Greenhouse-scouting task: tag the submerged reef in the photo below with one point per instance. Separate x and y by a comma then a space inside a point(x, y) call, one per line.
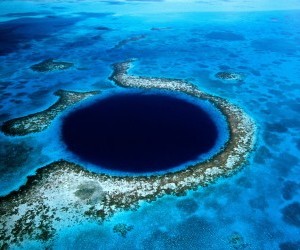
point(38, 122)
point(122, 229)
point(291, 214)
point(230, 76)
point(128, 40)
point(63, 194)
point(237, 241)
point(50, 65)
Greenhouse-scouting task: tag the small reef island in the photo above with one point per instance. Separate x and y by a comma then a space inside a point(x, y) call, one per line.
point(50, 65)
point(63, 193)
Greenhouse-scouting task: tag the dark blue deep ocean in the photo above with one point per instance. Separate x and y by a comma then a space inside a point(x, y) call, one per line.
point(258, 207)
point(138, 133)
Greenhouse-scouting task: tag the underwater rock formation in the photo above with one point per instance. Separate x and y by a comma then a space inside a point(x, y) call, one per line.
point(61, 194)
point(38, 122)
point(50, 65)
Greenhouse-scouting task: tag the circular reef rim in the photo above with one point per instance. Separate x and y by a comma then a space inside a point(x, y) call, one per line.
point(67, 193)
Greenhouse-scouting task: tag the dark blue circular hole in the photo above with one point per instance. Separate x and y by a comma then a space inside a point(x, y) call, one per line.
point(139, 133)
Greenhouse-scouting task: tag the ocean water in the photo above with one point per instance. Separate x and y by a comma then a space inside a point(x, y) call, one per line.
point(258, 207)
point(141, 132)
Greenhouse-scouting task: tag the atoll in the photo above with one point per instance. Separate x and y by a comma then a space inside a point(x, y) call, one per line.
point(50, 65)
point(39, 121)
point(64, 193)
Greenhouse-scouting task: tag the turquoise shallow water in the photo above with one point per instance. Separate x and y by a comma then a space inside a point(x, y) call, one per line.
point(193, 42)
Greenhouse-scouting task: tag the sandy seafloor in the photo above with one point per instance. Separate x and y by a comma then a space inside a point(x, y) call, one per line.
point(190, 41)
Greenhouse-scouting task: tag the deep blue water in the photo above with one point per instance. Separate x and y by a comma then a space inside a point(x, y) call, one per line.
point(139, 133)
point(195, 41)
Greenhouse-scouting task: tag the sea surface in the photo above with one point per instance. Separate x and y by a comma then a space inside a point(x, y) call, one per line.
point(258, 207)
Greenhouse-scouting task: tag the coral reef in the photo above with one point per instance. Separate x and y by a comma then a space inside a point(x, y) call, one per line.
point(128, 40)
point(291, 214)
point(64, 194)
point(122, 229)
point(90, 191)
point(230, 76)
point(236, 241)
point(39, 121)
point(50, 65)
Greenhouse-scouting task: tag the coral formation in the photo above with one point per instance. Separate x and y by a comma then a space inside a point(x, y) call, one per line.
point(39, 121)
point(63, 193)
point(122, 229)
point(128, 40)
point(51, 65)
point(230, 76)
point(291, 214)
point(236, 241)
